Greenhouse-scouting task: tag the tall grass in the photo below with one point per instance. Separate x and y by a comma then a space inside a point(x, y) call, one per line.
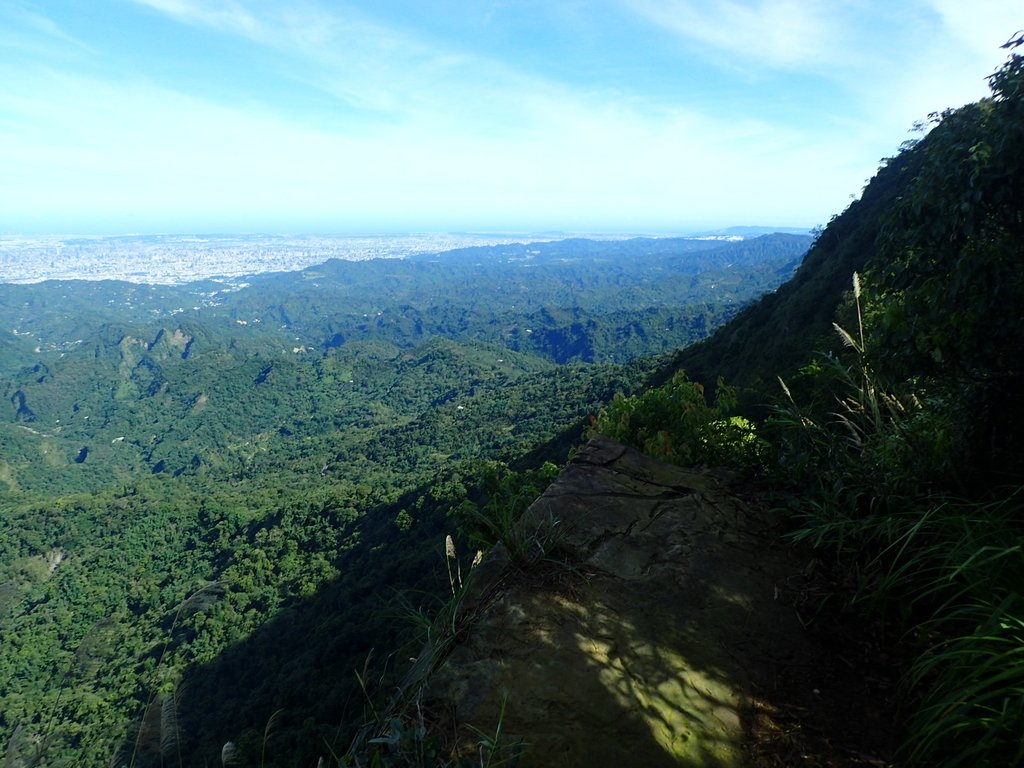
point(158, 733)
point(400, 732)
point(961, 566)
point(873, 479)
point(499, 519)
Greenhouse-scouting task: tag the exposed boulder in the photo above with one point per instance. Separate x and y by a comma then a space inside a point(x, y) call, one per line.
point(646, 637)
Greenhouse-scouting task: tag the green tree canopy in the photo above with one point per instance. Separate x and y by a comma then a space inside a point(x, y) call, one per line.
point(949, 279)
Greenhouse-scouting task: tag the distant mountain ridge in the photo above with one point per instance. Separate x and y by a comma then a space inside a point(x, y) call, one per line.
point(754, 231)
point(783, 328)
point(681, 287)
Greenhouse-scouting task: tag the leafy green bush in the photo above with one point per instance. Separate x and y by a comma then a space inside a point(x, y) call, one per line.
point(675, 423)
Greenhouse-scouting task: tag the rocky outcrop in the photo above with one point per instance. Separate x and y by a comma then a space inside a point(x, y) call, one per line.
point(641, 638)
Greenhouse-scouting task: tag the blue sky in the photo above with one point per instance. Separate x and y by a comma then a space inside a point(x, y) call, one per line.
point(121, 116)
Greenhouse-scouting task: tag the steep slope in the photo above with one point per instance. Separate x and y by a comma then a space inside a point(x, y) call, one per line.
point(899, 454)
point(780, 331)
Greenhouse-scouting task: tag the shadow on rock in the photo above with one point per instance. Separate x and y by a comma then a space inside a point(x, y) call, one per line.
point(643, 638)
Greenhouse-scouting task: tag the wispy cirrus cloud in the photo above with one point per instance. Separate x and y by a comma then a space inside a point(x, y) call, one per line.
point(393, 76)
point(25, 30)
point(226, 15)
point(882, 65)
point(366, 64)
point(945, 53)
point(866, 45)
point(785, 34)
point(979, 26)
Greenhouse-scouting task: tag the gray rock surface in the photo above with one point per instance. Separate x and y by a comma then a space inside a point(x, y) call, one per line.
point(639, 639)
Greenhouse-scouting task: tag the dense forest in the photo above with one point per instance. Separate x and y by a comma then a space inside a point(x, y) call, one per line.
point(222, 499)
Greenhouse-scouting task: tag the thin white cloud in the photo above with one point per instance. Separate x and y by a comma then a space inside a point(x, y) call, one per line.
point(980, 26)
point(783, 34)
point(28, 31)
point(226, 15)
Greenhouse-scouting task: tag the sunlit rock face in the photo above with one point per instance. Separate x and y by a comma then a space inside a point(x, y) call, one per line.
point(640, 638)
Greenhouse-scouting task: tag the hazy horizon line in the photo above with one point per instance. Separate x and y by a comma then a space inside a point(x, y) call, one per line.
point(340, 234)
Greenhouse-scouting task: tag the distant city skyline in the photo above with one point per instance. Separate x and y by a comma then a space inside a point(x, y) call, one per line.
point(174, 259)
point(646, 116)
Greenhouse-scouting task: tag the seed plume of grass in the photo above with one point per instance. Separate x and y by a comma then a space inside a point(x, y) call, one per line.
point(268, 730)
point(450, 554)
point(14, 752)
point(170, 745)
point(229, 754)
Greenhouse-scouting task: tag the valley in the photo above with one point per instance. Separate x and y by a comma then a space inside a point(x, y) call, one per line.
point(206, 457)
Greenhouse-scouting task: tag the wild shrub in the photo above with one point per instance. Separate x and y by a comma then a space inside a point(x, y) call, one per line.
point(863, 447)
point(675, 423)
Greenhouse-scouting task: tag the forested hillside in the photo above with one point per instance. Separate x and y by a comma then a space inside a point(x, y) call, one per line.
point(214, 494)
point(775, 335)
point(887, 382)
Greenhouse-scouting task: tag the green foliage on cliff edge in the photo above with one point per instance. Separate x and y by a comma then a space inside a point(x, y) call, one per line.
point(895, 437)
point(903, 451)
point(880, 486)
point(675, 423)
